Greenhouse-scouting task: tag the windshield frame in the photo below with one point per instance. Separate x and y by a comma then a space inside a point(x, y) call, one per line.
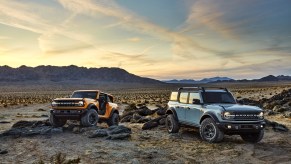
point(83, 93)
point(231, 98)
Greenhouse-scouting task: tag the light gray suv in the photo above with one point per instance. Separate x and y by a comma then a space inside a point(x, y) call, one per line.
point(215, 112)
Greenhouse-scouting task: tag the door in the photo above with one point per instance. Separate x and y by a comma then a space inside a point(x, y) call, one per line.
point(180, 108)
point(193, 111)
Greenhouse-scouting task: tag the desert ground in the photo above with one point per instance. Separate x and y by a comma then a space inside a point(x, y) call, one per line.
point(73, 144)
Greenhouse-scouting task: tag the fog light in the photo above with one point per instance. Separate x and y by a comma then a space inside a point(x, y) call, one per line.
point(262, 126)
point(229, 126)
point(236, 127)
point(257, 127)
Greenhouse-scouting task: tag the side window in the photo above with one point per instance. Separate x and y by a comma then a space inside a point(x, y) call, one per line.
point(193, 96)
point(174, 96)
point(184, 97)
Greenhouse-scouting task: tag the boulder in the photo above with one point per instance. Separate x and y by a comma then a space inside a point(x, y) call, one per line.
point(279, 108)
point(276, 126)
point(119, 136)
point(150, 125)
point(126, 118)
point(99, 133)
point(118, 129)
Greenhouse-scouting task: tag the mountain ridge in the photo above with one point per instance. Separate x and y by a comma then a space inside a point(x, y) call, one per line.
point(70, 73)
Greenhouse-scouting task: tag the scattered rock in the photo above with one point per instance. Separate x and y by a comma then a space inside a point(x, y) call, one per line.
point(3, 151)
point(41, 110)
point(150, 125)
point(145, 111)
point(118, 129)
point(269, 113)
point(99, 133)
point(126, 118)
point(279, 108)
point(112, 133)
point(4, 122)
point(161, 111)
point(276, 126)
point(119, 136)
point(287, 114)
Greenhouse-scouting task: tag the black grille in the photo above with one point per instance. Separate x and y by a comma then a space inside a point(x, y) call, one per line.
point(246, 116)
point(67, 103)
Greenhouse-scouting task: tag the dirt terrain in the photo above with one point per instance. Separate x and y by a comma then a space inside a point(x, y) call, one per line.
point(143, 146)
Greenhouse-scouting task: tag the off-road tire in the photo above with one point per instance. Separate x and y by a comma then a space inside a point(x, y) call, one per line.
point(113, 120)
point(172, 124)
point(253, 137)
point(57, 122)
point(210, 132)
point(90, 118)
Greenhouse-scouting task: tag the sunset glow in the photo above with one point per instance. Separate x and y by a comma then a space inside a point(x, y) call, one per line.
point(163, 39)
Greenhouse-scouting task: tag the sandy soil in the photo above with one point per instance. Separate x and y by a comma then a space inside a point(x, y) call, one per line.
point(149, 146)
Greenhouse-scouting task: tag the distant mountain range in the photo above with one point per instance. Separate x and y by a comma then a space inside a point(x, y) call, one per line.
point(205, 80)
point(70, 73)
point(227, 79)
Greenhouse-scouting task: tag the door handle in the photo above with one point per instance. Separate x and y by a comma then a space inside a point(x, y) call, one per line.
point(177, 106)
point(188, 108)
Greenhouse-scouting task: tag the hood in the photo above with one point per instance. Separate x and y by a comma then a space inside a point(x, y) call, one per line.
point(235, 107)
point(68, 99)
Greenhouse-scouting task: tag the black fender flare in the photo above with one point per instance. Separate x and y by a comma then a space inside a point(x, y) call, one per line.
point(92, 106)
point(172, 111)
point(114, 111)
point(209, 114)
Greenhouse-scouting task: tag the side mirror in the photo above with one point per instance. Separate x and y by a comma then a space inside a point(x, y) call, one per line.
point(240, 101)
point(196, 101)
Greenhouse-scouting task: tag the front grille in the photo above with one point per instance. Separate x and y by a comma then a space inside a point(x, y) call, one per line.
point(246, 116)
point(67, 103)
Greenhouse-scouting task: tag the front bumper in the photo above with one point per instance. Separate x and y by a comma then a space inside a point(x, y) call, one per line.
point(69, 114)
point(236, 128)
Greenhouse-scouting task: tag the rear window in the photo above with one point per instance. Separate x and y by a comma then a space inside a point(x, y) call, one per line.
point(174, 96)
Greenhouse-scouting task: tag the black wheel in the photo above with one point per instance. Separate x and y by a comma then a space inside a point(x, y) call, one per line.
point(90, 118)
point(113, 120)
point(210, 132)
point(57, 122)
point(253, 137)
point(172, 124)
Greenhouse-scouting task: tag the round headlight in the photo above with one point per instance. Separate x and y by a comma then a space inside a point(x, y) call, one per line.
point(228, 115)
point(261, 115)
point(54, 103)
point(80, 103)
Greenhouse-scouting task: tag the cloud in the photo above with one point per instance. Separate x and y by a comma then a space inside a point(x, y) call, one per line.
point(135, 39)
point(132, 21)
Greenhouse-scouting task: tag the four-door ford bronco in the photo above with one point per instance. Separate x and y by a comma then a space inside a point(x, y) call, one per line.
point(215, 112)
point(88, 106)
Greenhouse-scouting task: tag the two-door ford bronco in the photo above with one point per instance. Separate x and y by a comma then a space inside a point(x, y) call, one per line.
point(215, 112)
point(88, 106)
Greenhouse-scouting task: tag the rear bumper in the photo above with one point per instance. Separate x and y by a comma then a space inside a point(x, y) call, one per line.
point(238, 128)
point(69, 114)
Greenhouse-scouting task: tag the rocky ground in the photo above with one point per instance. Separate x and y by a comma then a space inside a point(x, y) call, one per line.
point(27, 137)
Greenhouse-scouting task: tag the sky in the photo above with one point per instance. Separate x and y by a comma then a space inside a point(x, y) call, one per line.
point(161, 39)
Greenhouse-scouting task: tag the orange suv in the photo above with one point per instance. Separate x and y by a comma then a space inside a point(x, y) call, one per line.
point(87, 106)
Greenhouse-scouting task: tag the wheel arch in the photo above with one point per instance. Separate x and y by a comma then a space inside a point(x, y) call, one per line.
point(208, 115)
point(92, 106)
point(173, 112)
point(113, 111)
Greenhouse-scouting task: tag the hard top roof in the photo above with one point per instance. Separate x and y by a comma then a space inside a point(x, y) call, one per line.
point(92, 91)
point(204, 89)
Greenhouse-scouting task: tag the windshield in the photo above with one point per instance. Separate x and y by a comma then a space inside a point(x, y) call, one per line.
point(218, 97)
point(91, 95)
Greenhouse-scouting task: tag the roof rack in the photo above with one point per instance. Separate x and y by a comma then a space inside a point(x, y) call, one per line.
point(202, 88)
